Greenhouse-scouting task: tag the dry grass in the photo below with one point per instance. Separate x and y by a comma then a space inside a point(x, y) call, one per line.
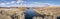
point(10, 11)
point(6, 13)
point(48, 10)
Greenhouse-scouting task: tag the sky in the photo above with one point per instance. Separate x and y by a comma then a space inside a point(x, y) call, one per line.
point(29, 3)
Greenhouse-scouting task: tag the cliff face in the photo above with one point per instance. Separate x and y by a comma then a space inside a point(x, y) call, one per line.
point(10, 13)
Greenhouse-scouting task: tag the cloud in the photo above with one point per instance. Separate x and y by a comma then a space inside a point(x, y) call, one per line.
point(7, 3)
point(20, 0)
point(21, 3)
point(37, 4)
point(40, 4)
point(2, 4)
point(12, 3)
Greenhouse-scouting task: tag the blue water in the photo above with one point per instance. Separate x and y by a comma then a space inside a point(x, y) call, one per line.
point(58, 17)
point(29, 14)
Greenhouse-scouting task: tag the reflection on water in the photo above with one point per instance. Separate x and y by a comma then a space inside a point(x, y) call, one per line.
point(29, 14)
point(58, 17)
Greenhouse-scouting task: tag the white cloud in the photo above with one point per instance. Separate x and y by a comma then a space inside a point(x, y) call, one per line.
point(8, 3)
point(33, 4)
point(40, 4)
point(3, 4)
point(19, 1)
point(37, 4)
point(13, 1)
